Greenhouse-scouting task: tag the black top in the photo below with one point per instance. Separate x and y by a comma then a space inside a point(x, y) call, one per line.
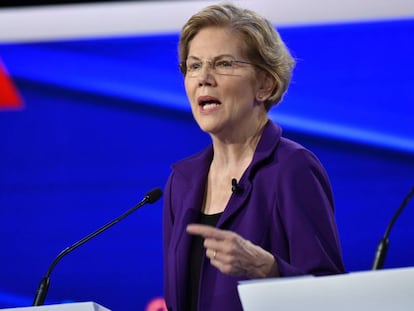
point(197, 252)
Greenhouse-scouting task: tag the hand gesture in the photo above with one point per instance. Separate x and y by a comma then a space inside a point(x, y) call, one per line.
point(233, 255)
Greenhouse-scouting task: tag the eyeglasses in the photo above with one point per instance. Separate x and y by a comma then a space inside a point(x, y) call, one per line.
point(221, 66)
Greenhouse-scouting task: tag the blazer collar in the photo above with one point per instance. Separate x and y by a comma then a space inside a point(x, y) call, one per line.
point(194, 171)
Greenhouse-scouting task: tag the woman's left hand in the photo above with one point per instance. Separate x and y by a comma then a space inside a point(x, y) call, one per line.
point(233, 255)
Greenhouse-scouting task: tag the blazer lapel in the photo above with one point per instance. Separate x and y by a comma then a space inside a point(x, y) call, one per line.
point(268, 143)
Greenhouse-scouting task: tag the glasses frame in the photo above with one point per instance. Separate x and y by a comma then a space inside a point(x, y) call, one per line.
point(211, 64)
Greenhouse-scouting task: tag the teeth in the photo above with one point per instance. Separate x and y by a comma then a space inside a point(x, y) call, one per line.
point(210, 106)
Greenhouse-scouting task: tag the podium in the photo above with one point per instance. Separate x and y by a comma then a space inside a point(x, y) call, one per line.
point(78, 306)
point(379, 290)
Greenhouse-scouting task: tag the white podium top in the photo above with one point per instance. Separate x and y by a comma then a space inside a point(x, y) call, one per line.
point(79, 306)
point(382, 290)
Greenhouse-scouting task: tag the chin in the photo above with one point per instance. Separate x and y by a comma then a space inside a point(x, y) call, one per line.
point(208, 128)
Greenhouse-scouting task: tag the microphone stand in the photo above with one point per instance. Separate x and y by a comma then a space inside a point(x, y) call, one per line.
point(383, 245)
point(43, 287)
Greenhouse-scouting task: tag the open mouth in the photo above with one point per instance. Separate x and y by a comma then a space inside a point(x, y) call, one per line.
point(208, 103)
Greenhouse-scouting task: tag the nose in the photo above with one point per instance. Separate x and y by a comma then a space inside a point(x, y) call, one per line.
point(206, 76)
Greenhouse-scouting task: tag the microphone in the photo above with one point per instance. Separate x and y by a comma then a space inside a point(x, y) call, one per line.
point(235, 188)
point(151, 197)
point(383, 245)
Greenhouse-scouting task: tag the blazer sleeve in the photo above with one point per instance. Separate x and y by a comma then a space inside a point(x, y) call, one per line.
point(305, 207)
point(168, 221)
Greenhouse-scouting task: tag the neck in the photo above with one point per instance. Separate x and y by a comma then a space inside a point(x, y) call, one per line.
point(233, 155)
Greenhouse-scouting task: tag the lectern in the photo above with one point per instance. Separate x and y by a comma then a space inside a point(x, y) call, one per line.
point(380, 290)
point(79, 306)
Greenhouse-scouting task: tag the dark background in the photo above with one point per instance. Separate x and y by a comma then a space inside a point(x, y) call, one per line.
point(23, 3)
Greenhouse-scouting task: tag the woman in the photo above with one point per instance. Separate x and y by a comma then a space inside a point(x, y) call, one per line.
point(253, 204)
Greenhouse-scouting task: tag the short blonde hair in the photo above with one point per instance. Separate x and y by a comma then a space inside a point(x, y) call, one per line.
point(264, 46)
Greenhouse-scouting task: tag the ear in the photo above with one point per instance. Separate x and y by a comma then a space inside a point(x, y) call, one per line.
point(266, 85)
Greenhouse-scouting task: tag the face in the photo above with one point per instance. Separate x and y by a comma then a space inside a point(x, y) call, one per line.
point(223, 105)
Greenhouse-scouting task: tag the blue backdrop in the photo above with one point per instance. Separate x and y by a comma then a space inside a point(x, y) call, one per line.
point(103, 120)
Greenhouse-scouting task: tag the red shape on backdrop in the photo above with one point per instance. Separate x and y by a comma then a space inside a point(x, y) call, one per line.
point(9, 96)
point(156, 304)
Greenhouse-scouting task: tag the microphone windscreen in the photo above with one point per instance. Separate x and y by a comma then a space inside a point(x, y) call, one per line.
point(153, 195)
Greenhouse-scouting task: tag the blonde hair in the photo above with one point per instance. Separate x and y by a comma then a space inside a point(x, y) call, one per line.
point(264, 46)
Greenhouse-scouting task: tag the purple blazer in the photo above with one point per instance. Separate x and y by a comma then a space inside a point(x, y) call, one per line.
point(285, 206)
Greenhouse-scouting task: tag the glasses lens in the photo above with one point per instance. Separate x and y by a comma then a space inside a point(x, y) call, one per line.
point(194, 67)
point(224, 66)
point(221, 66)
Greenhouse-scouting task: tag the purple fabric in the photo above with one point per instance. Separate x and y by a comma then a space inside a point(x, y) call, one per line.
point(286, 207)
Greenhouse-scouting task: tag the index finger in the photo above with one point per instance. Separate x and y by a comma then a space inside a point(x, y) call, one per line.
point(205, 231)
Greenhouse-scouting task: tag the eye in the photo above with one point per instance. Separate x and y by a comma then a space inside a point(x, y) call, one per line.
point(193, 66)
point(223, 64)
